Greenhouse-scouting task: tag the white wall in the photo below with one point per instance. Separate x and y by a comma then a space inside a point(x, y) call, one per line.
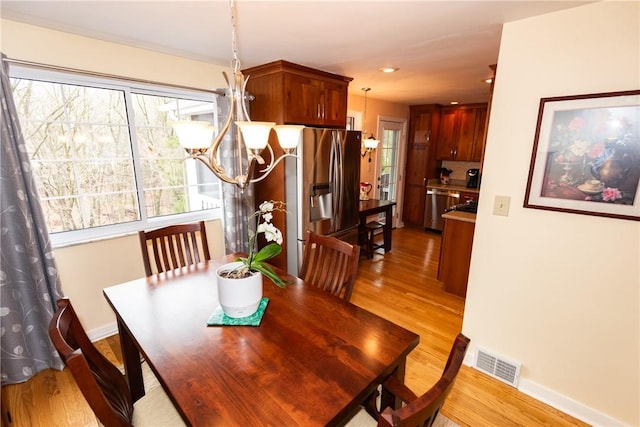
point(376, 109)
point(88, 268)
point(558, 291)
point(37, 44)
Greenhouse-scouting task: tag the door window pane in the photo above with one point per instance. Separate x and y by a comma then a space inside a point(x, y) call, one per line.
point(389, 164)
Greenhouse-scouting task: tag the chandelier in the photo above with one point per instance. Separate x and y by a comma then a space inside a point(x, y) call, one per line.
point(197, 137)
point(371, 143)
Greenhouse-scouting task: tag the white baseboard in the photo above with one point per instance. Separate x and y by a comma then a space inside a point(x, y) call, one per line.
point(103, 332)
point(567, 405)
point(559, 401)
point(468, 359)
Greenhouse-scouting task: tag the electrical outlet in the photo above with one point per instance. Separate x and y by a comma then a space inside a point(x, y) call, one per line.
point(501, 205)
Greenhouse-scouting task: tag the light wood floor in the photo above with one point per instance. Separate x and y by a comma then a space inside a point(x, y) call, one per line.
point(400, 286)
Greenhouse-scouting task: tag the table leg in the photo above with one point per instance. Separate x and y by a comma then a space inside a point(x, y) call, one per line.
point(132, 366)
point(388, 227)
point(387, 399)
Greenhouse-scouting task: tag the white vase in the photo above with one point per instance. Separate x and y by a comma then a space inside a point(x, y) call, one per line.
point(239, 297)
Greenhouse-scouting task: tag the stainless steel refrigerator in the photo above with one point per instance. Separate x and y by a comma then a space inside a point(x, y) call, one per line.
point(321, 189)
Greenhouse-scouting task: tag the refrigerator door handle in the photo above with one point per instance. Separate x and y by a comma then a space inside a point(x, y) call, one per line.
point(332, 179)
point(339, 179)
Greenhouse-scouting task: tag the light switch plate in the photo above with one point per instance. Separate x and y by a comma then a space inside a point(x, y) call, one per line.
point(501, 205)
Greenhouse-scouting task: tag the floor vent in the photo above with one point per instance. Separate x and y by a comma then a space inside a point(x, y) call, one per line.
point(498, 367)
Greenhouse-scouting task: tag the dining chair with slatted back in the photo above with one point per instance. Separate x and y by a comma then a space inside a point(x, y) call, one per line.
point(173, 247)
point(417, 411)
point(101, 382)
point(330, 264)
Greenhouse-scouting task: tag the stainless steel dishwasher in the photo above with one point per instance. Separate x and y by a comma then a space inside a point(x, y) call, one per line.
point(438, 200)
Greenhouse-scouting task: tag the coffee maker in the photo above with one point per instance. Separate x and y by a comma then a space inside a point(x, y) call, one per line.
point(473, 178)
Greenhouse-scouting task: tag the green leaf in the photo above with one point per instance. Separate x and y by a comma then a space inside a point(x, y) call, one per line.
point(267, 271)
point(245, 261)
point(267, 252)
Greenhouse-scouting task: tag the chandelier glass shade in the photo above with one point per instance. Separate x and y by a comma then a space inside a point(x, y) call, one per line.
point(371, 143)
point(200, 141)
point(193, 134)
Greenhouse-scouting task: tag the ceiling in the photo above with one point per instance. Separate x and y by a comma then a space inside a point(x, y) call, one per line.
point(443, 49)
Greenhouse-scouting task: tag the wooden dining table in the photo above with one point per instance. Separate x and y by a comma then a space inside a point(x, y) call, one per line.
point(312, 360)
point(373, 207)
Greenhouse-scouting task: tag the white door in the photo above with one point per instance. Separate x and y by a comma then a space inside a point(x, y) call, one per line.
point(389, 153)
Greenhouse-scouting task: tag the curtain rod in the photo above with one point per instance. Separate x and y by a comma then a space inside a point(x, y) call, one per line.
point(221, 92)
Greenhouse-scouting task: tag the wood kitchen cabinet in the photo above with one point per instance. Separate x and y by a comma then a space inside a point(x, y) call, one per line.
point(461, 135)
point(288, 93)
point(480, 135)
point(455, 252)
point(312, 101)
point(421, 160)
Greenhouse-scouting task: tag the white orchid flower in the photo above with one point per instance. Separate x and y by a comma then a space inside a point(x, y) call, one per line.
point(278, 238)
point(256, 261)
point(266, 207)
point(271, 233)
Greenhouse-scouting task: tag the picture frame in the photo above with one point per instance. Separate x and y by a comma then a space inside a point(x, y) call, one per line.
point(586, 155)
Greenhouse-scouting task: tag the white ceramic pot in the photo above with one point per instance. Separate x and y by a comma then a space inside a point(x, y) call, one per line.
point(239, 297)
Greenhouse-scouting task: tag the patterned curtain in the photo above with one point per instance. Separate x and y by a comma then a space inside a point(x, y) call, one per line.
point(236, 208)
point(29, 281)
point(236, 205)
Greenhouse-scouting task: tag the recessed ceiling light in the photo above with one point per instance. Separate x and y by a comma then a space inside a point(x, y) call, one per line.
point(389, 69)
point(454, 102)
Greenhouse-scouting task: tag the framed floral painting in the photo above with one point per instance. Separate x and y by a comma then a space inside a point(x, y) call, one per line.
point(586, 155)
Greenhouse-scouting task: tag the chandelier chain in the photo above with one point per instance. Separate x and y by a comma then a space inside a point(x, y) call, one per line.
point(369, 144)
point(235, 62)
point(251, 138)
point(364, 122)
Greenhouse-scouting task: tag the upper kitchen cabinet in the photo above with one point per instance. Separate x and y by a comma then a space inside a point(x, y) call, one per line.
point(315, 102)
point(461, 135)
point(289, 93)
point(421, 160)
point(479, 135)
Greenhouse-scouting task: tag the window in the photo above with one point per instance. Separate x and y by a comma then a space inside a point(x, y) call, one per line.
point(389, 149)
point(105, 157)
point(351, 123)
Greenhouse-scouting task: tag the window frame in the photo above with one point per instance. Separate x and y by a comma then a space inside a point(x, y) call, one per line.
point(85, 235)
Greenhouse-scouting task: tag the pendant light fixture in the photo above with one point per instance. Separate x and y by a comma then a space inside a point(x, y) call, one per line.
point(197, 137)
point(371, 143)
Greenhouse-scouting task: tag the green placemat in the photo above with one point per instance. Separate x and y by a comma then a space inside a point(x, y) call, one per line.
point(218, 318)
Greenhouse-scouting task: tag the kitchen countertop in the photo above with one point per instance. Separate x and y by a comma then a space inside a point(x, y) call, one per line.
point(454, 185)
point(460, 216)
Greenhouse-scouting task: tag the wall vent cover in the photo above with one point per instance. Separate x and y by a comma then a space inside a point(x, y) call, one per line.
point(498, 367)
